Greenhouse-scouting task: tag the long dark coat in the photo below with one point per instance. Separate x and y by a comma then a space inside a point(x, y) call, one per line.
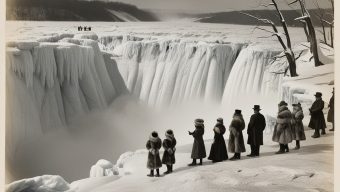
point(283, 127)
point(153, 145)
point(236, 141)
point(218, 151)
point(256, 126)
point(298, 129)
point(198, 148)
point(317, 120)
point(330, 115)
point(169, 151)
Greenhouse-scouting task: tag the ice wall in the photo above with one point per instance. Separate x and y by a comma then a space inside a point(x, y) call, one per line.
point(51, 83)
point(167, 72)
point(252, 74)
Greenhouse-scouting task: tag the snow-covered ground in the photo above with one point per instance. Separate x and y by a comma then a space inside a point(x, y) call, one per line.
point(181, 64)
point(309, 169)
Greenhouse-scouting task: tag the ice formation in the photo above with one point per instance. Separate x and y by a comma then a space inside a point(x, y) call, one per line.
point(45, 183)
point(51, 83)
point(103, 168)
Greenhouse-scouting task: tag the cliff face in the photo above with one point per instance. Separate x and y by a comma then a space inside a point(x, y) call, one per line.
point(74, 10)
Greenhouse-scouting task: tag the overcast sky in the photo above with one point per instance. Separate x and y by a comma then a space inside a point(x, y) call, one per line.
point(212, 5)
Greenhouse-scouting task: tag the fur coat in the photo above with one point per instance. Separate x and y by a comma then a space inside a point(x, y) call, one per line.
point(236, 141)
point(283, 128)
point(169, 144)
point(218, 151)
point(153, 145)
point(298, 129)
point(198, 148)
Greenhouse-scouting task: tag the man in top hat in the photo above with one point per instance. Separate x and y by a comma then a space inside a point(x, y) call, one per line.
point(256, 126)
point(317, 120)
point(330, 115)
point(236, 142)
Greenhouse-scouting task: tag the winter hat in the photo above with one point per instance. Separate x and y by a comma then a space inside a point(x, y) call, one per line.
point(238, 112)
point(318, 94)
point(154, 134)
point(283, 103)
point(199, 121)
point(220, 120)
point(257, 107)
point(169, 132)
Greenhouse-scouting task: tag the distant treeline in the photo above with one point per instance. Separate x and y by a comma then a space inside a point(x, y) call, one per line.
point(71, 10)
point(235, 17)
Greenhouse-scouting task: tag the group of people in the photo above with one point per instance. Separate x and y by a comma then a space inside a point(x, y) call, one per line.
point(288, 127)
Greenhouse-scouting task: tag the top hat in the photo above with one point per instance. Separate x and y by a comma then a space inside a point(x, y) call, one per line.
point(283, 103)
point(238, 112)
point(257, 107)
point(318, 94)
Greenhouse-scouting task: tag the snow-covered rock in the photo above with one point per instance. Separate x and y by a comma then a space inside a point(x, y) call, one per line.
point(103, 168)
point(45, 183)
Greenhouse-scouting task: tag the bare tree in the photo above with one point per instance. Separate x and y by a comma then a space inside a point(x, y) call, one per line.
point(287, 46)
point(322, 16)
point(311, 35)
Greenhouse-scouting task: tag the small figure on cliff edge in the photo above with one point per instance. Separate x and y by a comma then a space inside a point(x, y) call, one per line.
point(198, 148)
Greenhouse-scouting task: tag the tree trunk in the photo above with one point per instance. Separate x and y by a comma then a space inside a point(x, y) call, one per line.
point(292, 63)
point(313, 42)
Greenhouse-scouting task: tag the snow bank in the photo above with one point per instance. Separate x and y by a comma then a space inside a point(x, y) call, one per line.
point(45, 183)
point(103, 168)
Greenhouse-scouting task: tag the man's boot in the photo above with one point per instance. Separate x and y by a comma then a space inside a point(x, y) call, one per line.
point(151, 173)
point(157, 175)
point(168, 169)
point(297, 145)
point(286, 148)
point(257, 151)
point(316, 133)
point(201, 161)
point(281, 150)
point(171, 168)
point(193, 163)
point(253, 151)
point(323, 131)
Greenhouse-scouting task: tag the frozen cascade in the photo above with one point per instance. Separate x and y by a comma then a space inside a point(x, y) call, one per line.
point(51, 83)
point(252, 75)
point(163, 72)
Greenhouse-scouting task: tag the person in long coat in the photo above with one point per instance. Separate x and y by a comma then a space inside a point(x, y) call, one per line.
point(256, 126)
point(297, 125)
point(218, 151)
point(330, 115)
point(154, 161)
point(198, 148)
point(283, 129)
point(169, 145)
point(317, 120)
point(236, 141)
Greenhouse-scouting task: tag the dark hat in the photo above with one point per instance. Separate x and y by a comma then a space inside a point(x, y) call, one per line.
point(199, 120)
point(238, 112)
point(283, 103)
point(295, 105)
point(318, 94)
point(257, 107)
point(219, 119)
point(170, 132)
point(154, 134)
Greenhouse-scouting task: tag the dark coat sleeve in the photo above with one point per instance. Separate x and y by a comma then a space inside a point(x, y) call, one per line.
point(317, 106)
point(148, 145)
point(251, 124)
